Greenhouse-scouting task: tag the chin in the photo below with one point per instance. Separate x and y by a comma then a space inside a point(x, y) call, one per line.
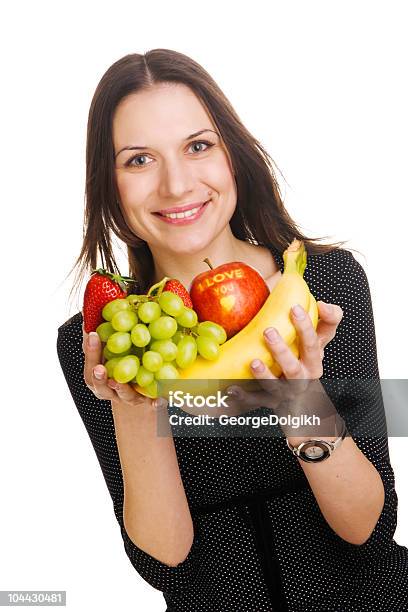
point(189, 245)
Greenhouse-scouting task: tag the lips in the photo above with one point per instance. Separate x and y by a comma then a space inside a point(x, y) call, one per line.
point(184, 220)
point(180, 209)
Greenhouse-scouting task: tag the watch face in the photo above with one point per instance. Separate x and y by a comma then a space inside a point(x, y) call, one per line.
point(314, 451)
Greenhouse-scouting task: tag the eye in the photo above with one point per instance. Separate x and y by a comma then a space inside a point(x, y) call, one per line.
point(130, 161)
point(202, 142)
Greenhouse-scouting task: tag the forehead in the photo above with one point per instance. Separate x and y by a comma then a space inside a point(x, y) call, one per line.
point(165, 111)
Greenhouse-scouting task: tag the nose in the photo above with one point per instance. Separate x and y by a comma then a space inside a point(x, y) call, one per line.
point(176, 179)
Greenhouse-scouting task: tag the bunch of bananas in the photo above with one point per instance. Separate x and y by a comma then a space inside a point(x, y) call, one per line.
point(236, 354)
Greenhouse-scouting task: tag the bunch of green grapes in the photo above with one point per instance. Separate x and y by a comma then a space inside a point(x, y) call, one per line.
point(148, 341)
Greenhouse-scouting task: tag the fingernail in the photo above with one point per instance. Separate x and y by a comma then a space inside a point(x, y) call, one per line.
point(257, 365)
point(160, 403)
point(271, 334)
point(93, 340)
point(298, 312)
point(98, 372)
point(327, 307)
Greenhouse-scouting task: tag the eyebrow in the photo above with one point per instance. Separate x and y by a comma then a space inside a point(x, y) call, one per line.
point(135, 148)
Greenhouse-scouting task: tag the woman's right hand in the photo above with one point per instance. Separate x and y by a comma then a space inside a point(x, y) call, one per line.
point(96, 379)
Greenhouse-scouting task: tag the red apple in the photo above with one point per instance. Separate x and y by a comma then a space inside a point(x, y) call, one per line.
point(229, 295)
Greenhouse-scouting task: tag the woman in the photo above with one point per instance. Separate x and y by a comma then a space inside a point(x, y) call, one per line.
point(228, 523)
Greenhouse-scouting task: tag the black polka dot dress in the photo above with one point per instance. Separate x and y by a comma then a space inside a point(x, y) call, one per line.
point(261, 543)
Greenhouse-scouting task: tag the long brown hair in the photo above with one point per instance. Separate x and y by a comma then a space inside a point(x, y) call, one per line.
point(260, 216)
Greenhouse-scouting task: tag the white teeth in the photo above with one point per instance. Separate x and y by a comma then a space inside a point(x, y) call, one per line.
point(187, 213)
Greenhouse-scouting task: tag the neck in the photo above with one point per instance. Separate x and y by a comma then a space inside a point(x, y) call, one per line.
point(185, 265)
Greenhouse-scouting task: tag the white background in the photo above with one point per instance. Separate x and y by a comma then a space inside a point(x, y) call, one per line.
point(321, 84)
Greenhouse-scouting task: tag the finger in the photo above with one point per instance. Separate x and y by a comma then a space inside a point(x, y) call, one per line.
point(92, 348)
point(330, 316)
point(290, 365)
point(267, 380)
point(95, 374)
point(309, 345)
point(126, 393)
point(279, 389)
point(99, 385)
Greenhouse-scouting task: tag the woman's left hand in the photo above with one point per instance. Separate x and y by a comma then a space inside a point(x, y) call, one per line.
point(307, 368)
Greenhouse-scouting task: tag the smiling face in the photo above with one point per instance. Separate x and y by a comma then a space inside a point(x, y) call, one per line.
point(173, 167)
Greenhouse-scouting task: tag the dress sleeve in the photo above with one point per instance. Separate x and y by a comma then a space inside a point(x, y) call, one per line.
point(97, 418)
point(352, 361)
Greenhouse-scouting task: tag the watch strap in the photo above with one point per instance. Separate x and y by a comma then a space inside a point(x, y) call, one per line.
point(331, 446)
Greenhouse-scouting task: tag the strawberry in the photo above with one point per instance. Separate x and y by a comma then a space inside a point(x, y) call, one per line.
point(102, 287)
point(178, 288)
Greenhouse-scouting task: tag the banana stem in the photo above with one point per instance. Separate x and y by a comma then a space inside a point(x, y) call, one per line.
point(295, 257)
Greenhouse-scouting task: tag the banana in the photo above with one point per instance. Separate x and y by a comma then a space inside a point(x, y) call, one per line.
point(236, 354)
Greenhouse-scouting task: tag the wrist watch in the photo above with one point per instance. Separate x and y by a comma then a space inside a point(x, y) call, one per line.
point(315, 450)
